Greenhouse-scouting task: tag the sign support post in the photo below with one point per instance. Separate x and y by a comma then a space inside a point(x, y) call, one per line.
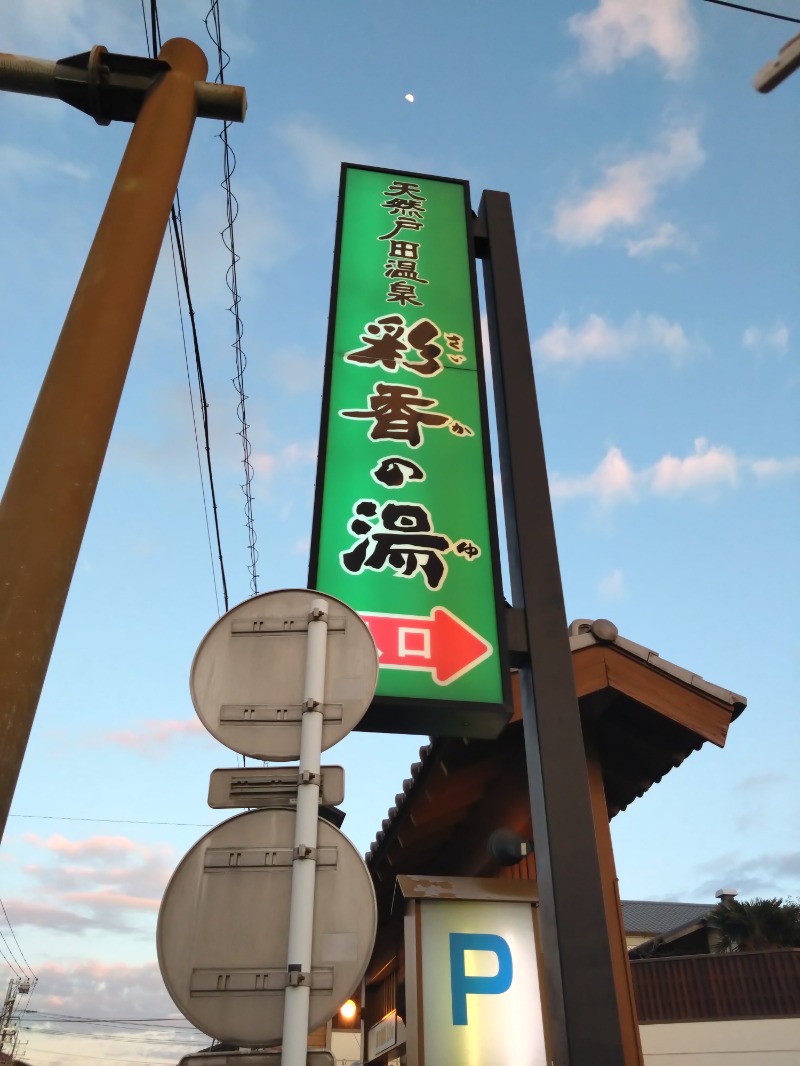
point(304, 861)
point(584, 1019)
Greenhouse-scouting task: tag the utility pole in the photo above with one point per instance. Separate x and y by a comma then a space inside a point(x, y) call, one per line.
point(49, 495)
point(9, 1033)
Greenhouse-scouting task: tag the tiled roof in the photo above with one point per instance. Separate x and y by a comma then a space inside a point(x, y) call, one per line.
point(649, 918)
point(583, 633)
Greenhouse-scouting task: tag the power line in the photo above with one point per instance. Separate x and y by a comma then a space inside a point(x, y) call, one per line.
point(177, 227)
point(77, 1055)
point(754, 10)
point(11, 930)
point(13, 966)
point(121, 1038)
point(176, 238)
point(194, 417)
point(115, 821)
point(47, 1015)
point(227, 234)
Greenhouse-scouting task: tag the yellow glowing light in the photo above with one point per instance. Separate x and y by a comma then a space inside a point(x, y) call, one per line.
point(347, 1011)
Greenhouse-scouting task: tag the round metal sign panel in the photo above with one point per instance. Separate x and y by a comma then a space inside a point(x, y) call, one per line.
point(248, 675)
point(223, 927)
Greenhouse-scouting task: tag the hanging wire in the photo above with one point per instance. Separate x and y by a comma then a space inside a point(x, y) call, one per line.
point(177, 242)
point(177, 229)
point(228, 239)
point(19, 946)
point(194, 416)
point(754, 10)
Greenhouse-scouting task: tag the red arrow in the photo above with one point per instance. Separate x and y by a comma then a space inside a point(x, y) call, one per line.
point(441, 643)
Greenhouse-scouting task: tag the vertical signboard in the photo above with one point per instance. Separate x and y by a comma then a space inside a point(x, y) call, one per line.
point(404, 522)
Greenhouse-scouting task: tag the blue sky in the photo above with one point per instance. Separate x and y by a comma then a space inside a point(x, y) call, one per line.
point(654, 193)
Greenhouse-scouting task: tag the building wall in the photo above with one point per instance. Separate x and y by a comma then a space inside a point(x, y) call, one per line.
point(759, 1042)
point(633, 940)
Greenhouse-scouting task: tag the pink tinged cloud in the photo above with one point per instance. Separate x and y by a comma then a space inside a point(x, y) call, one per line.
point(705, 468)
point(619, 30)
point(628, 189)
point(101, 989)
point(613, 480)
point(155, 736)
point(94, 847)
point(107, 898)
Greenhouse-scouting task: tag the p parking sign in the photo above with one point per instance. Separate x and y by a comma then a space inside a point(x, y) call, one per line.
point(404, 522)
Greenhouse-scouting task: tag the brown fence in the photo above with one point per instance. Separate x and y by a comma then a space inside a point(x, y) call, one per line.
point(757, 984)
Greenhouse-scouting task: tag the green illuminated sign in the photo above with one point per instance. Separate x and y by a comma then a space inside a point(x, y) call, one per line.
point(404, 526)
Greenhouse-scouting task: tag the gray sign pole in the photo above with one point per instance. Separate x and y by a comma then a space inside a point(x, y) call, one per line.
point(584, 1019)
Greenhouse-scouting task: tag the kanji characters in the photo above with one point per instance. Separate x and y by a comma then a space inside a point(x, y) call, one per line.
point(388, 342)
point(399, 412)
point(384, 343)
point(398, 535)
point(420, 336)
point(406, 206)
point(403, 292)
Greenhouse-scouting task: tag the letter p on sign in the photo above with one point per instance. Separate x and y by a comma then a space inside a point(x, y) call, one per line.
point(463, 984)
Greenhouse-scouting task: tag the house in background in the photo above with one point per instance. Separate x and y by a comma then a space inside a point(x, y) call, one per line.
point(650, 925)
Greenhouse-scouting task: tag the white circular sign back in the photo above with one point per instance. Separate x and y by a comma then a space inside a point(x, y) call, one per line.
point(248, 674)
point(223, 922)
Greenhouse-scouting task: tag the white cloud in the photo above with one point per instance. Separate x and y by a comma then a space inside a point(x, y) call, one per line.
point(16, 162)
point(665, 237)
point(295, 371)
point(598, 339)
point(613, 480)
point(766, 469)
point(295, 453)
point(109, 883)
point(774, 338)
point(612, 586)
point(264, 238)
point(155, 737)
point(320, 152)
point(628, 189)
point(705, 470)
point(619, 30)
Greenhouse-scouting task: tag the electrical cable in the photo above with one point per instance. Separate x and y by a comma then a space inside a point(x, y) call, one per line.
point(146, 1024)
point(754, 10)
point(177, 227)
point(194, 417)
point(122, 1038)
point(176, 238)
point(11, 930)
point(115, 821)
point(227, 235)
point(11, 965)
point(77, 1055)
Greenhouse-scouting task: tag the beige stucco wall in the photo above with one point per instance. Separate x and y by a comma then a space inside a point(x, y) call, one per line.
point(774, 1042)
point(633, 940)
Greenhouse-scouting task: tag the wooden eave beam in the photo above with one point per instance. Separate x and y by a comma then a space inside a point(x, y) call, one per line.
point(604, 666)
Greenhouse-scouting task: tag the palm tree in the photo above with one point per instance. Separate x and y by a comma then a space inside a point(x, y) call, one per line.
point(756, 925)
